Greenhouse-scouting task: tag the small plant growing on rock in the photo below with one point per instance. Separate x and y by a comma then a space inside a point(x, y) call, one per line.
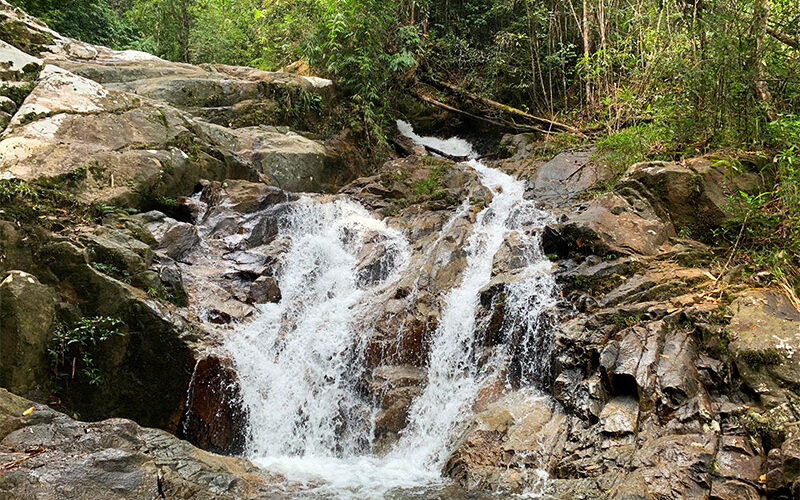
point(72, 350)
point(77, 174)
point(168, 294)
point(112, 270)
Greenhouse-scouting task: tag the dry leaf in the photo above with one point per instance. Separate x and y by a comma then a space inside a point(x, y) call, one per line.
point(28, 411)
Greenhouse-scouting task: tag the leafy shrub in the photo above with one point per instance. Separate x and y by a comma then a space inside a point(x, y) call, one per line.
point(634, 144)
point(72, 350)
point(93, 21)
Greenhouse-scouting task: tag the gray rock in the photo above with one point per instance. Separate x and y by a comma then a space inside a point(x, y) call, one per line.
point(113, 459)
point(7, 105)
point(567, 175)
point(16, 64)
point(27, 320)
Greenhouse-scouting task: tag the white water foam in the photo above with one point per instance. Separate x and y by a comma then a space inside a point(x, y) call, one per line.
point(301, 361)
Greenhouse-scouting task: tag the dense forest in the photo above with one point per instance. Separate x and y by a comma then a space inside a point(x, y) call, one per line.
point(645, 79)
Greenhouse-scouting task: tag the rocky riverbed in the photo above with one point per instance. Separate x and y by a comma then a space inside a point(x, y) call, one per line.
point(157, 193)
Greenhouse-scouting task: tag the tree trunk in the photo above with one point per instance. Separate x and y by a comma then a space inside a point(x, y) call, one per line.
point(587, 48)
point(758, 30)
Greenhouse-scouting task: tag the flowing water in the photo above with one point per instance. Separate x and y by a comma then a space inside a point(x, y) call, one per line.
point(301, 362)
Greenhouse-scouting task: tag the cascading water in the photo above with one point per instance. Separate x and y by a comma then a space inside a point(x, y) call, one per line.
point(301, 362)
point(454, 376)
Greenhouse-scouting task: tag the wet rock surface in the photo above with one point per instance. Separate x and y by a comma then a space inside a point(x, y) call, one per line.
point(46, 454)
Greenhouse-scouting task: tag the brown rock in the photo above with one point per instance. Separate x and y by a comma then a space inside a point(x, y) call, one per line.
point(214, 418)
point(263, 290)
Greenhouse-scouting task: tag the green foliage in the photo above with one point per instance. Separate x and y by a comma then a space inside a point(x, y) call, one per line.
point(168, 294)
point(45, 203)
point(362, 44)
point(72, 350)
point(77, 174)
point(430, 186)
point(93, 21)
point(634, 144)
point(764, 228)
point(112, 271)
point(755, 359)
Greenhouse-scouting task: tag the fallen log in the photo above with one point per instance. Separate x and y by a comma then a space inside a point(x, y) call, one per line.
point(510, 126)
point(506, 109)
point(405, 147)
point(454, 158)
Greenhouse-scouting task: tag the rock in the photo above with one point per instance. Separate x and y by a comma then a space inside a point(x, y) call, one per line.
point(503, 446)
point(790, 453)
point(176, 239)
point(737, 458)
point(109, 146)
point(16, 64)
point(693, 195)
point(117, 251)
point(774, 478)
point(396, 387)
point(622, 226)
point(676, 466)
point(286, 159)
point(80, 50)
point(567, 175)
point(727, 489)
point(27, 321)
point(63, 459)
point(244, 197)
point(152, 357)
point(7, 105)
point(765, 346)
point(620, 416)
point(214, 418)
point(265, 289)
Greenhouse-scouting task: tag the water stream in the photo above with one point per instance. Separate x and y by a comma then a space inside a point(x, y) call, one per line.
point(301, 362)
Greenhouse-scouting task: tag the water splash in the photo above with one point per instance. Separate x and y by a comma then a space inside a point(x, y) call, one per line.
point(301, 362)
point(454, 376)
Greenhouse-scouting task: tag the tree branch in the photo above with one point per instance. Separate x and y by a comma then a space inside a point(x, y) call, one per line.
point(784, 37)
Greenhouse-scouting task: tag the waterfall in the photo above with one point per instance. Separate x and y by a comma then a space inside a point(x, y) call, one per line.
point(454, 377)
point(301, 362)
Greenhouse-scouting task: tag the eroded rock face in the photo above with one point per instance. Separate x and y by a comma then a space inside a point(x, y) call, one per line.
point(644, 379)
point(60, 458)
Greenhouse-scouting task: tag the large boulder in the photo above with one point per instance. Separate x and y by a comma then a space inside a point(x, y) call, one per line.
point(610, 223)
point(285, 159)
point(765, 345)
point(214, 418)
point(693, 195)
point(27, 321)
point(16, 64)
point(56, 457)
point(104, 145)
point(567, 175)
point(153, 356)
